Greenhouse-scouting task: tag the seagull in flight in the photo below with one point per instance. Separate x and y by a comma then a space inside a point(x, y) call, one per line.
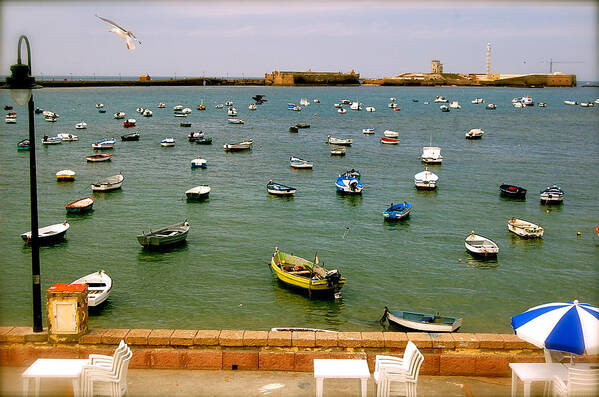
point(122, 33)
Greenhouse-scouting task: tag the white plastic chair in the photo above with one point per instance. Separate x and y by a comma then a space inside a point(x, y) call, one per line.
point(391, 374)
point(101, 380)
point(394, 364)
point(581, 382)
point(108, 361)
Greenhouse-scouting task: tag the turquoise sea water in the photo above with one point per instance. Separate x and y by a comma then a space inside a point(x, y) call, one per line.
point(220, 278)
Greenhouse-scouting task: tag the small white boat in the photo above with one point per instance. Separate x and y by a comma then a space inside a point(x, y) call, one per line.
point(299, 163)
point(477, 101)
point(316, 100)
point(338, 141)
point(119, 115)
point(393, 99)
point(552, 195)
point(236, 121)
point(455, 105)
point(48, 234)
point(186, 111)
point(346, 102)
point(104, 144)
point(570, 102)
point(107, 184)
point(65, 175)
point(50, 119)
point(431, 155)
point(391, 134)
point(342, 110)
point(421, 321)
point(481, 246)
point(81, 126)
point(491, 106)
point(99, 105)
point(338, 105)
point(161, 105)
point(252, 106)
point(198, 193)
point(542, 104)
point(524, 228)
point(475, 133)
point(355, 106)
point(48, 113)
point(219, 106)
point(392, 105)
point(370, 109)
point(129, 123)
point(444, 108)
point(10, 120)
point(235, 147)
point(140, 110)
point(99, 285)
point(229, 103)
point(198, 163)
point(167, 142)
point(180, 115)
point(367, 131)
point(232, 111)
point(527, 101)
point(147, 113)
point(178, 107)
point(51, 140)
point(441, 99)
point(518, 104)
point(304, 102)
point(338, 151)
point(278, 189)
point(425, 180)
point(587, 104)
point(68, 137)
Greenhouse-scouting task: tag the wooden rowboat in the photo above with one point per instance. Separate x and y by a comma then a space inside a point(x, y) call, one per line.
point(99, 285)
point(48, 234)
point(481, 246)
point(92, 158)
point(108, 184)
point(389, 141)
point(422, 322)
point(306, 276)
point(524, 228)
point(80, 206)
point(165, 237)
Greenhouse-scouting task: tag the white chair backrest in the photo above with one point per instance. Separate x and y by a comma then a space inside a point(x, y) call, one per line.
point(583, 382)
point(416, 363)
point(408, 355)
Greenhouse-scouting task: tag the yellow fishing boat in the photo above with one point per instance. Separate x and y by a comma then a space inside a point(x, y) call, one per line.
point(305, 275)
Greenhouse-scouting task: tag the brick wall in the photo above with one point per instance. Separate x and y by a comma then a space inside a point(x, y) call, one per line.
point(444, 354)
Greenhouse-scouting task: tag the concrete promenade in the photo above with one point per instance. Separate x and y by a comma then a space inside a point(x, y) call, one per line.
point(154, 382)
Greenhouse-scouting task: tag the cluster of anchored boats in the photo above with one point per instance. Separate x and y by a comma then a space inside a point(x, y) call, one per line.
point(309, 277)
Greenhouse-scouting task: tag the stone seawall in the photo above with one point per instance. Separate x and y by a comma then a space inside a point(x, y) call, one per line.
point(208, 81)
point(444, 354)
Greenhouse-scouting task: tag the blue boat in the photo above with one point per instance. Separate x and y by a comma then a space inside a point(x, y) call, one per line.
point(349, 184)
point(102, 110)
point(399, 211)
point(552, 195)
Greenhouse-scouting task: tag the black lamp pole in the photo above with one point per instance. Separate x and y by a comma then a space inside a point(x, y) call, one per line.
point(20, 83)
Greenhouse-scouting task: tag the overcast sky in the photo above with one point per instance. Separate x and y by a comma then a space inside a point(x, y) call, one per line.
point(250, 38)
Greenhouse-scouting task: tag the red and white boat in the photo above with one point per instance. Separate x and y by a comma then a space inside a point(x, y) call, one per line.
point(389, 141)
point(99, 157)
point(129, 123)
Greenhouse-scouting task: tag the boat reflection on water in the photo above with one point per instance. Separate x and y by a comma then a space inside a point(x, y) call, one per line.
point(157, 253)
point(350, 199)
point(531, 243)
point(490, 263)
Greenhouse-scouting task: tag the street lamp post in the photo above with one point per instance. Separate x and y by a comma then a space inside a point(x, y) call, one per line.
point(20, 83)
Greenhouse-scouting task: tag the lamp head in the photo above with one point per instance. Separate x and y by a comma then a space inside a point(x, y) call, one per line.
point(20, 83)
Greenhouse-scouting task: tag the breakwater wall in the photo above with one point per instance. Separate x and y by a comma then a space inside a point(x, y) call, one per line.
point(467, 354)
point(208, 81)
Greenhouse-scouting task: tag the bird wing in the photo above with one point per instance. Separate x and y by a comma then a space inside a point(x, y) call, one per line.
point(130, 45)
point(112, 23)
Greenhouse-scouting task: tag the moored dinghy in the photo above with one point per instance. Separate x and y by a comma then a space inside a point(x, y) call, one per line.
point(198, 163)
point(524, 228)
point(431, 155)
point(425, 180)
point(512, 191)
point(99, 285)
point(299, 163)
point(350, 184)
point(339, 141)
point(23, 145)
point(65, 175)
point(244, 145)
point(104, 144)
point(481, 246)
point(107, 184)
point(338, 151)
point(165, 237)
point(134, 136)
point(552, 195)
point(80, 206)
point(389, 141)
point(48, 234)
point(198, 193)
point(278, 189)
point(475, 133)
point(397, 212)
point(92, 158)
point(421, 321)
point(307, 276)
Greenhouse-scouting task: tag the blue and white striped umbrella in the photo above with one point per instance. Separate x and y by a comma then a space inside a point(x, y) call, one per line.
point(571, 327)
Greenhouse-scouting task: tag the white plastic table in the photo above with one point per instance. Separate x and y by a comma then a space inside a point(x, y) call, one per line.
point(535, 372)
point(53, 368)
point(354, 369)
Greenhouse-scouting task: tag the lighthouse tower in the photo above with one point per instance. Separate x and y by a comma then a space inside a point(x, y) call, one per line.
point(488, 59)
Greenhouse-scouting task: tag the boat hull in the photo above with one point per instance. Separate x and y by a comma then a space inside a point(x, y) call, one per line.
point(165, 237)
point(424, 322)
point(98, 157)
point(525, 229)
point(49, 234)
point(512, 191)
point(80, 206)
